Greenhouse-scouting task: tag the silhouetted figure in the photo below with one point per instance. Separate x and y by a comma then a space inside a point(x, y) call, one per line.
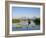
point(28, 23)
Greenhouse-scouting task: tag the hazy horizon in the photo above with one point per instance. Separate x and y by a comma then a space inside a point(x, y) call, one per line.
point(28, 12)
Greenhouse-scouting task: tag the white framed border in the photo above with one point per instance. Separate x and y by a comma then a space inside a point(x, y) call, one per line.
point(24, 32)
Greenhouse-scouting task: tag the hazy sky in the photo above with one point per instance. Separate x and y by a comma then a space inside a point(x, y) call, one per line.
point(18, 12)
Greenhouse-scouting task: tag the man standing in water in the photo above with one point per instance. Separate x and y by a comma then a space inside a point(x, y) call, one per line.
point(28, 23)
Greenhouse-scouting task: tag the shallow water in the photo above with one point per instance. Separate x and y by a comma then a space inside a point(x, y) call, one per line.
point(25, 27)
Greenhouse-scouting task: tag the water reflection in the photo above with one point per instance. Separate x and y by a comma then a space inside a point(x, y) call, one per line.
point(24, 26)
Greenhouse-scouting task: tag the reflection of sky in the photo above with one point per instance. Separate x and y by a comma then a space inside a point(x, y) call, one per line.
point(18, 12)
